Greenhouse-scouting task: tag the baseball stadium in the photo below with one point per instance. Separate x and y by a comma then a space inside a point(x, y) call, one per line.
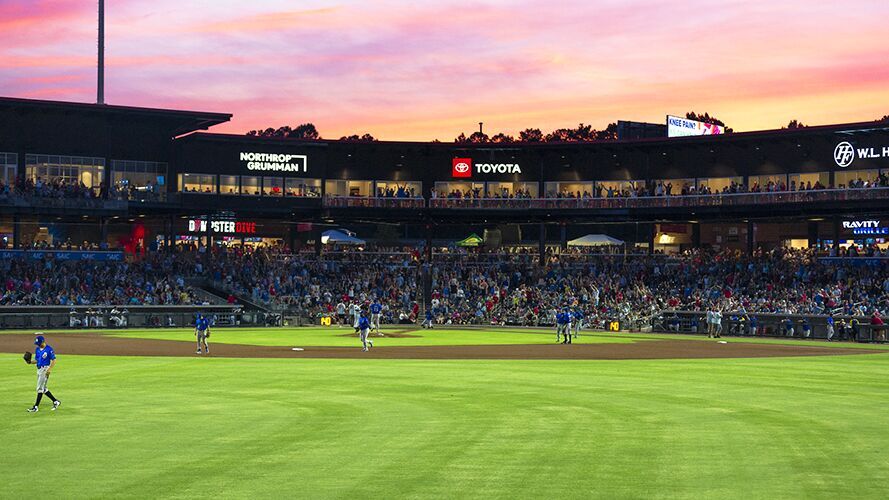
point(656, 309)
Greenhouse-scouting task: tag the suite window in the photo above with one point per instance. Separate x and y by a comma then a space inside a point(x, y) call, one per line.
point(671, 187)
point(197, 183)
point(250, 185)
point(718, 184)
point(142, 176)
point(273, 186)
point(228, 184)
point(8, 167)
point(765, 183)
point(459, 189)
point(617, 188)
point(512, 189)
point(349, 188)
point(846, 178)
point(302, 187)
point(812, 180)
point(90, 171)
point(569, 189)
point(399, 189)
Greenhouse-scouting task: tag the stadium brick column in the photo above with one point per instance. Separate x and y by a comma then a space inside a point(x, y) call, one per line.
point(563, 236)
point(103, 229)
point(695, 235)
point(651, 234)
point(427, 251)
point(318, 230)
point(541, 245)
point(751, 237)
point(168, 233)
point(836, 233)
point(813, 234)
point(16, 232)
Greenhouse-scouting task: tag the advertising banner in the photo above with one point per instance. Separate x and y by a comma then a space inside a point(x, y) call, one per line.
point(62, 255)
point(683, 127)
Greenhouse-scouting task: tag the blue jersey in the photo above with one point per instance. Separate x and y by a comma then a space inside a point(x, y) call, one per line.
point(428, 315)
point(578, 314)
point(363, 323)
point(375, 308)
point(202, 324)
point(44, 356)
point(563, 318)
point(830, 320)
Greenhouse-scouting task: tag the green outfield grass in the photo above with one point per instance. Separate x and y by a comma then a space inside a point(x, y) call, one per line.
point(345, 337)
point(198, 427)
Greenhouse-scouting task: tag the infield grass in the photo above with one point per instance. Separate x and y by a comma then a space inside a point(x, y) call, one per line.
point(198, 427)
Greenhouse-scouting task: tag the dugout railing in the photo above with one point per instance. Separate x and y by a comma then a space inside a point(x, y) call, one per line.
point(857, 328)
point(103, 317)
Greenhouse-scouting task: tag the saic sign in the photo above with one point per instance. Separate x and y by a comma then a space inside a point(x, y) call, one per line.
point(275, 162)
point(462, 168)
point(222, 226)
point(845, 153)
point(865, 227)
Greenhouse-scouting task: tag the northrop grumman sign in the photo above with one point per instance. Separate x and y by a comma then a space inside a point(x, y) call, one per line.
point(844, 154)
point(275, 162)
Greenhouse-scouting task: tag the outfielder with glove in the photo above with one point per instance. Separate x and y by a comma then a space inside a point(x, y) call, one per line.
point(45, 359)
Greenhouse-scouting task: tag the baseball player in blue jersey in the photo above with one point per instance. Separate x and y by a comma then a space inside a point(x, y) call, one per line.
point(376, 311)
point(577, 321)
point(427, 323)
point(202, 333)
point(563, 326)
point(45, 359)
point(364, 329)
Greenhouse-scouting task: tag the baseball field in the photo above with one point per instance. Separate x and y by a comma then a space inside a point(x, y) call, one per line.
point(488, 413)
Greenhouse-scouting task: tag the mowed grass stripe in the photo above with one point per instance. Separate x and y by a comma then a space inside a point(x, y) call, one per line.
point(193, 427)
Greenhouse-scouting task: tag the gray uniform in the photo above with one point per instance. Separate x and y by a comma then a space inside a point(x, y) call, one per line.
point(42, 379)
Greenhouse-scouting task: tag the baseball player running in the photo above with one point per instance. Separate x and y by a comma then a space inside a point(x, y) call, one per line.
point(364, 329)
point(45, 359)
point(375, 312)
point(202, 333)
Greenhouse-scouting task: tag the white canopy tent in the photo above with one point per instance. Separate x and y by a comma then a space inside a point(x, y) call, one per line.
point(337, 237)
point(595, 240)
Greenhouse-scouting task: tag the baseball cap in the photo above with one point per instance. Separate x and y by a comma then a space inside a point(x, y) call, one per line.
point(38, 340)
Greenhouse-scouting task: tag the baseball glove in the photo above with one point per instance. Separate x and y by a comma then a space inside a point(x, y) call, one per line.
point(27, 357)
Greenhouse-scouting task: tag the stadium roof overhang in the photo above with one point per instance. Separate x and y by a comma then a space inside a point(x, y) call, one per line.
point(175, 122)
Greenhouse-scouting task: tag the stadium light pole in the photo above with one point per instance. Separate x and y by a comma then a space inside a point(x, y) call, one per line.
point(100, 80)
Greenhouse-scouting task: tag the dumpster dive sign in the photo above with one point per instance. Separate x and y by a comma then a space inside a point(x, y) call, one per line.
point(222, 226)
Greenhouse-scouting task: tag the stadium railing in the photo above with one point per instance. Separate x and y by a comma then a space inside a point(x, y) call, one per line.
point(82, 317)
point(64, 203)
point(482, 203)
point(676, 201)
point(770, 325)
point(372, 202)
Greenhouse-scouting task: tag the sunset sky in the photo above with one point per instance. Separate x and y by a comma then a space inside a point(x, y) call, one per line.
point(420, 70)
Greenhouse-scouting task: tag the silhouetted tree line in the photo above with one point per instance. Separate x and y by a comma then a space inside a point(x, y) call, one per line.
point(583, 133)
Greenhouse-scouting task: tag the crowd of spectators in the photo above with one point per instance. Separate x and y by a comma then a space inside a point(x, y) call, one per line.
point(467, 288)
point(156, 279)
point(48, 188)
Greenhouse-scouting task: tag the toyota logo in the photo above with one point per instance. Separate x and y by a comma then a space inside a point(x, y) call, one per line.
point(462, 167)
point(844, 154)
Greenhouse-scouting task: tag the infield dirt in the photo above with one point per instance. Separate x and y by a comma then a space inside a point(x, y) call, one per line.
point(96, 344)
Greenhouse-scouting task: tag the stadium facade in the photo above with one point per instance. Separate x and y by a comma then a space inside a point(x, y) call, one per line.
point(161, 171)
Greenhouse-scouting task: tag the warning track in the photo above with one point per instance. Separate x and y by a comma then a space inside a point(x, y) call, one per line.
point(100, 345)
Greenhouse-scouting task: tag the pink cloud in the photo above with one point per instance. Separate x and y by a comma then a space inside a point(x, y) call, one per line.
point(420, 70)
